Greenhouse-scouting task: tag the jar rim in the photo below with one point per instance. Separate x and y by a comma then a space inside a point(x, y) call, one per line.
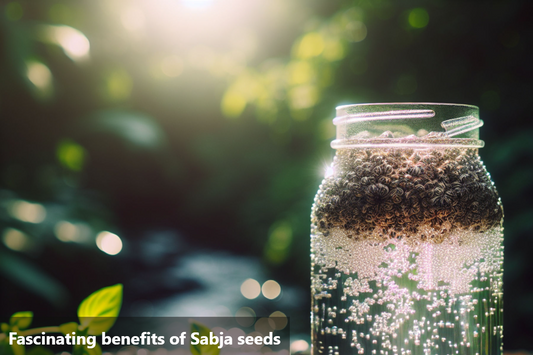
point(407, 104)
point(408, 124)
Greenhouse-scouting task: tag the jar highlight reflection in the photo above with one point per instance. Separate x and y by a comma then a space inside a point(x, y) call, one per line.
point(406, 236)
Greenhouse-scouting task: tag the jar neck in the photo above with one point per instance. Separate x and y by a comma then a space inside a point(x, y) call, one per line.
point(409, 125)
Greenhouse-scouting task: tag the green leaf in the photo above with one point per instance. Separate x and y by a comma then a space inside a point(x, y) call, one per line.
point(202, 349)
point(21, 320)
point(4, 327)
point(68, 328)
point(98, 312)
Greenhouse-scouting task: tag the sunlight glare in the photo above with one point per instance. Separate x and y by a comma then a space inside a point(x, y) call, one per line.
point(197, 4)
point(329, 171)
point(132, 19)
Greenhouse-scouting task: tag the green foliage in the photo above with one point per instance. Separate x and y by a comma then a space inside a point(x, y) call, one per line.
point(17, 322)
point(21, 320)
point(98, 312)
point(200, 349)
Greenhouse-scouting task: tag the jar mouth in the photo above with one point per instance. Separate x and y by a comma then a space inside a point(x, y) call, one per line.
point(407, 124)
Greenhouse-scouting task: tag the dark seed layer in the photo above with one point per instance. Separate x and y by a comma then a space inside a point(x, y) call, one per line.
point(397, 191)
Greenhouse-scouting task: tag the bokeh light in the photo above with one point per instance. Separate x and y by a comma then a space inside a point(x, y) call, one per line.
point(271, 289)
point(118, 85)
point(66, 231)
point(299, 346)
point(109, 243)
point(250, 289)
point(245, 316)
point(72, 232)
point(233, 104)
point(279, 242)
point(41, 77)
point(311, 45)
point(418, 18)
point(356, 31)
point(16, 240)
point(71, 155)
point(73, 42)
point(27, 211)
point(280, 320)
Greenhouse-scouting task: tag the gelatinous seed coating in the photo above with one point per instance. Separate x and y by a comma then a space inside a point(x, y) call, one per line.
point(392, 192)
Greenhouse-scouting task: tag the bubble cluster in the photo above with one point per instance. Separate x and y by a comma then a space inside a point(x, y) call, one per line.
point(394, 192)
point(398, 297)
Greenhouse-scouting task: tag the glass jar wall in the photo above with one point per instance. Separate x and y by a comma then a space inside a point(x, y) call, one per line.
point(406, 236)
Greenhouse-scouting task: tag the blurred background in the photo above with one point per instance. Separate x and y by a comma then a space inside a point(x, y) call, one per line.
point(175, 146)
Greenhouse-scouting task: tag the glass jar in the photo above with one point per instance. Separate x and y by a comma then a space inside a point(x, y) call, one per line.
point(406, 236)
